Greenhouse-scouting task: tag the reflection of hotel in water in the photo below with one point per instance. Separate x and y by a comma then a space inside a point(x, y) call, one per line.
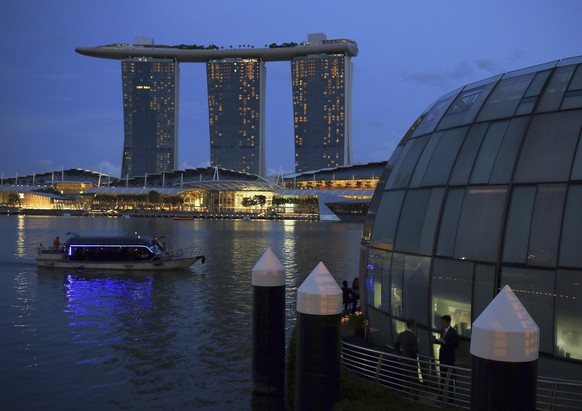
point(321, 71)
point(485, 191)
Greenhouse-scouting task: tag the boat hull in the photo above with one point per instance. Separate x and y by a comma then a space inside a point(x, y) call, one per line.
point(173, 264)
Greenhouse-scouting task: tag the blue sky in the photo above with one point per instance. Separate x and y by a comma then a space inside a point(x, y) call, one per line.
point(62, 110)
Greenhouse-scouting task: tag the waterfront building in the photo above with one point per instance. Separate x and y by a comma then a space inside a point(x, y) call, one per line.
point(236, 100)
point(321, 110)
point(483, 191)
point(150, 115)
point(332, 193)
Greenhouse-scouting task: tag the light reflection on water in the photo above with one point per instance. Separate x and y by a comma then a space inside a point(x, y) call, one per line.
point(174, 340)
point(21, 237)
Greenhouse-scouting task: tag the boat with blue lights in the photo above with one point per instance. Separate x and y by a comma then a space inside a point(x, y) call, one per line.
point(116, 253)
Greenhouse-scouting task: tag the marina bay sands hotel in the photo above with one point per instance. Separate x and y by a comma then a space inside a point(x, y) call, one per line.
point(321, 72)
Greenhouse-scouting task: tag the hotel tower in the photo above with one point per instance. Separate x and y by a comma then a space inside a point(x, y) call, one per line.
point(322, 81)
point(322, 111)
point(150, 115)
point(236, 114)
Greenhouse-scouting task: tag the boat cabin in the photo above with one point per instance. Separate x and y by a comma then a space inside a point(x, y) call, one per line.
point(112, 249)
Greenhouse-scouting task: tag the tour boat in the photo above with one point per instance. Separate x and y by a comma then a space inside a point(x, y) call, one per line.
point(116, 253)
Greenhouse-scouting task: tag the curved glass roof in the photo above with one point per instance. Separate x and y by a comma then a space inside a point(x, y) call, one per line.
point(484, 190)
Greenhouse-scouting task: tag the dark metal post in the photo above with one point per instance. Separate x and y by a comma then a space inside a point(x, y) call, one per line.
point(317, 370)
point(505, 349)
point(268, 283)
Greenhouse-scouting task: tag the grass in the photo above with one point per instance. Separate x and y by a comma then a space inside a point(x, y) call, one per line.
point(359, 394)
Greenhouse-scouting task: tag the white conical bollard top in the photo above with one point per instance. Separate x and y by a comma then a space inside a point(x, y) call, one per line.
point(319, 294)
point(505, 331)
point(268, 271)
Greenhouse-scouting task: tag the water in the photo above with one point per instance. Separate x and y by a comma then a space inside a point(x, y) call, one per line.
point(73, 340)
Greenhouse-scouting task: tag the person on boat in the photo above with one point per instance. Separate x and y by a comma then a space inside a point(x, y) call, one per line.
point(56, 243)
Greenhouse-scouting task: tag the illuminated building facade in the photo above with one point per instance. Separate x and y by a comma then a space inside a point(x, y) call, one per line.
point(322, 110)
point(484, 190)
point(236, 114)
point(150, 114)
point(236, 86)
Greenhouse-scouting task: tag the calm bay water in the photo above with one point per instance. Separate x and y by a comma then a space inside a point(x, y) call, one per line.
point(73, 340)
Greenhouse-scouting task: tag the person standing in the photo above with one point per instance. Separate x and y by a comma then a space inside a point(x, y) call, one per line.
point(56, 243)
point(347, 297)
point(407, 346)
point(449, 342)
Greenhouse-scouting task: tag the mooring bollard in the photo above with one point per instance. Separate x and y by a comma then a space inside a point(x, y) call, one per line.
point(317, 369)
point(268, 283)
point(505, 349)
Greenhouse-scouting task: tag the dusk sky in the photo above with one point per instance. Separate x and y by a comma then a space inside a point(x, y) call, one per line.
point(60, 109)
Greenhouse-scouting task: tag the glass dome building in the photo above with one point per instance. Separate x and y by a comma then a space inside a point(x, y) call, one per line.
point(484, 190)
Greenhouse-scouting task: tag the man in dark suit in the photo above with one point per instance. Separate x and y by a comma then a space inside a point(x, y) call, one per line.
point(407, 346)
point(449, 342)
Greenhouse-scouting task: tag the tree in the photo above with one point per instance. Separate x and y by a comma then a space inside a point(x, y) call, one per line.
point(247, 202)
point(154, 196)
point(14, 199)
point(260, 200)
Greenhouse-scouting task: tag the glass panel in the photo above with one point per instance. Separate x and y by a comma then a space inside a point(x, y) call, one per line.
point(535, 291)
point(466, 106)
point(412, 221)
point(435, 113)
point(406, 164)
point(466, 158)
point(415, 293)
point(546, 224)
point(430, 222)
point(555, 91)
point(483, 288)
point(378, 280)
point(424, 159)
point(451, 293)
point(573, 97)
point(441, 163)
point(549, 147)
point(517, 228)
point(384, 230)
point(424, 345)
point(571, 241)
point(398, 164)
point(577, 167)
point(507, 155)
point(569, 61)
point(568, 319)
point(532, 93)
point(396, 285)
point(488, 152)
point(533, 69)
point(504, 100)
point(450, 220)
point(480, 223)
point(576, 82)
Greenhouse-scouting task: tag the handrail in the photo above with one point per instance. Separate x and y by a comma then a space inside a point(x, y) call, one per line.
point(423, 380)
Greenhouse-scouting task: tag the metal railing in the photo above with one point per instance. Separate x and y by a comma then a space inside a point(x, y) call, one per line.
point(555, 394)
point(423, 380)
